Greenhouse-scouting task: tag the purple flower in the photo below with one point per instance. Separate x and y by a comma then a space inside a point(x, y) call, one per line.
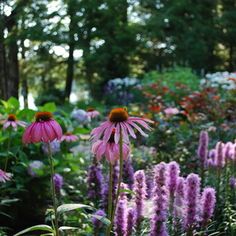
point(179, 198)
point(192, 200)
point(55, 147)
point(140, 194)
point(95, 180)
point(128, 171)
point(131, 218)
point(203, 147)
point(232, 182)
point(58, 181)
point(160, 193)
point(121, 214)
point(150, 184)
point(97, 224)
point(220, 157)
point(34, 168)
point(208, 201)
point(229, 151)
point(173, 174)
point(4, 176)
point(211, 162)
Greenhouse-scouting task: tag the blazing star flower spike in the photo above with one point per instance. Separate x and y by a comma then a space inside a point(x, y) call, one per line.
point(12, 121)
point(44, 129)
point(123, 123)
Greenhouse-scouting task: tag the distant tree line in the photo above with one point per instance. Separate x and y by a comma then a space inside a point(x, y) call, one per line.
point(116, 38)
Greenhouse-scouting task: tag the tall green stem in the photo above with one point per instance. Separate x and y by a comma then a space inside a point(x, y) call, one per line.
point(8, 149)
point(110, 200)
point(119, 182)
point(54, 199)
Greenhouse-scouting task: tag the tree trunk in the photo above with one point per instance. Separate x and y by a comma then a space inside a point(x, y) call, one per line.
point(70, 61)
point(3, 87)
point(231, 58)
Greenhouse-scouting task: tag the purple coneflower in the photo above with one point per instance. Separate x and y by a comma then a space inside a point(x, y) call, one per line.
point(44, 129)
point(160, 194)
point(192, 200)
point(12, 121)
point(123, 123)
point(92, 113)
point(110, 149)
point(208, 201)
point(4, 176)
point(69, 137)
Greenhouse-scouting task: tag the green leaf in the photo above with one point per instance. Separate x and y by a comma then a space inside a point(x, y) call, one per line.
point(70, 207)
point(127, 191)
point(14, 103)
point(50, 106)
point(103, 219)
point(67, 228)
point(34, 228)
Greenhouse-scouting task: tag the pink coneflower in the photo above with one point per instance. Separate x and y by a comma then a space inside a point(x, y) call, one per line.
point(4, 176)
point(11, 121)
point(110, 149)
point(122, 122)
point(44, 129)
point(92, 113)
point(69, 137)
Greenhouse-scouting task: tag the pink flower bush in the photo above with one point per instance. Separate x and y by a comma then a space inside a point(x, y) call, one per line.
point(44, 129)
point(12, 121)
point(69, 137)
point(4, 176)
point(123, 123)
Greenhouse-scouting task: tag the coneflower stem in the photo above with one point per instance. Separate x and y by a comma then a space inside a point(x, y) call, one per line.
point(110, 200)
point(119, 181)
point(54, 199)
point(8, 150)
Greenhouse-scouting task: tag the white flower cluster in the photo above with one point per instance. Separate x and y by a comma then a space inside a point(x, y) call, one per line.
point(125, 82)
point(225, 80)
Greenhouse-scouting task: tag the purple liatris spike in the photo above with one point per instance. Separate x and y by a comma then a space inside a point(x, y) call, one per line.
point(140, 193)
point(128, 173)
point(173, 174)
point(192, 200)
point(149, 184)
point(121, 214)
point(58, 182)
point(232, 182)
point(211, 162)
point(97, 224)
point(95, 181)
point(179, 198)
point(220, 157)
point(131, 218)
point(160, 194)
point(203, 147)
point(229, 151)
point(208, 201)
